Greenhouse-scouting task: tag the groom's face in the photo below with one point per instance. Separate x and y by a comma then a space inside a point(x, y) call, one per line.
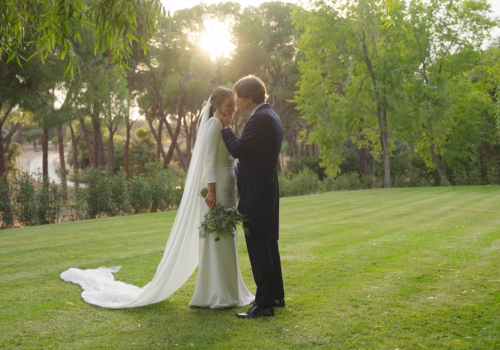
point(245, 103)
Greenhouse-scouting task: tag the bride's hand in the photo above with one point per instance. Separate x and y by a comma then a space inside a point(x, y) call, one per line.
point(210, 199)
point(224, 119)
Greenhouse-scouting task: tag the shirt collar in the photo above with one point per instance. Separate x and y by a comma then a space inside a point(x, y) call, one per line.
point(256, 108)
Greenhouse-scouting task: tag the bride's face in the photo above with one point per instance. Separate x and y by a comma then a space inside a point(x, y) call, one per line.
point(227, 106)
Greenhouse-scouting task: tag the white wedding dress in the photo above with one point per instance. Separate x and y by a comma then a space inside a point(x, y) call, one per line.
point(219, 282)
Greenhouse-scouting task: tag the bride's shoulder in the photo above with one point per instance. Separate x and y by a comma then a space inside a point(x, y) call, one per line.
point(214, 121)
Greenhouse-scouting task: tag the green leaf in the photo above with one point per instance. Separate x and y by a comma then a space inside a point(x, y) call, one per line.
point(11, 57)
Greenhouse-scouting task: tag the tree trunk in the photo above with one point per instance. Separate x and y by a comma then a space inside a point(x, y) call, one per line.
point(173, 136)
point(74, 144)
point(45, 153)
point(160, 152)
point(87, 141)
point(381, 116)
point(127, 146)
point(7, 139)
point(111, 152)
point(19, 132)
point(96, 136)
point(362, 154)
point(3, 164)
point(173, 145)
point(439, 167)
point(62, 163)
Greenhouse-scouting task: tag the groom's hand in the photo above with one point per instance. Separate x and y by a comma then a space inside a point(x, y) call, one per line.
point(224, 119)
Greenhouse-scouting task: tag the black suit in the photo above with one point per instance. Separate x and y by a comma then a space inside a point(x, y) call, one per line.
point(258, 150)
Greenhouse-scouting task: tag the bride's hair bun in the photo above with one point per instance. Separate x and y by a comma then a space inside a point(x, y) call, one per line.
point(218, 96)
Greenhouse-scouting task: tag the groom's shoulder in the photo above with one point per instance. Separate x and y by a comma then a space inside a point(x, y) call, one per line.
point(266, 110)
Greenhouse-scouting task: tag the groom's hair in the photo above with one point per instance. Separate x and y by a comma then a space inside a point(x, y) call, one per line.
point(251, 86)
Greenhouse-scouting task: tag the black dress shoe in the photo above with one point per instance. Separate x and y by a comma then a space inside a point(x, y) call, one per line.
point(256, 311)
point(279, 303)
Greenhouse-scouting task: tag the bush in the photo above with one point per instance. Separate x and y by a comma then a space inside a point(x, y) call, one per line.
point(493, 176)
point(24, 200)
point(98, 192)
point(461, 179)
point(349, 181)
point(298, 164)
point(414, 178)
point(140, 194)
point(305, 182)
point(48, 202)
point(77, 203)
point(119, 194)
point(367, 181)
point(6, 206)
point(165, 186)
point(475, 177)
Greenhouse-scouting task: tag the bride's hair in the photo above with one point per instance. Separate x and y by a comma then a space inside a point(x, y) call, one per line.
point(218, 96)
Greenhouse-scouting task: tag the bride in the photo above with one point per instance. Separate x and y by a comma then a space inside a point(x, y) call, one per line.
point(219, 283)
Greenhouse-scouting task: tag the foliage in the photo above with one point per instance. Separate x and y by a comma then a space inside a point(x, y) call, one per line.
point(6, 206)
point(305, 182)
point(98, 192)
point(140, 194)
point(295, 165)
point(24, 200)
point(119, 194)
point(221, 220)
point(52, 26)
point(165, 186)
point(342, 182)
point(48, 202)
point(367, 181)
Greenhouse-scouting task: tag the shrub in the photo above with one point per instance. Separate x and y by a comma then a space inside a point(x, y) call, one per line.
point(305, 182)
point(475, 177)
point(119, 194)
point(24, 200)
point(77, 204)
point(461, 179)
point(140, 194)
point(493, 176)
point(367, 181)
point(98, 192)
point(48, 202)
point(164, 186)
point(298, 164)
point(6, 206)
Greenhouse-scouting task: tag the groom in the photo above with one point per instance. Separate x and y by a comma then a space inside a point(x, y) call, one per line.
point(258, 149)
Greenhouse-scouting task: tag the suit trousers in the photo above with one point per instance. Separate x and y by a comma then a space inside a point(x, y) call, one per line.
point(266, 268)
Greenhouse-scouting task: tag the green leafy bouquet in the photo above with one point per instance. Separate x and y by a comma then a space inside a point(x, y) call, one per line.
point(220, 220)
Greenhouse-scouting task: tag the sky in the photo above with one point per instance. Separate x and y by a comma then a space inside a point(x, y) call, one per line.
point(173, 5)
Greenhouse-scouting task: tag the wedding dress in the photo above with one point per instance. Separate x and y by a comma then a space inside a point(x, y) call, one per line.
point(218, 277)
point(219, 282)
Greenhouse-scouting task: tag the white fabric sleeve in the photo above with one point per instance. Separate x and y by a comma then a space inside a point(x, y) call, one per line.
point(211, 143)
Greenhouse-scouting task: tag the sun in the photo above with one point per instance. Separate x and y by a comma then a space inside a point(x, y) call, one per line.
point(216, 40)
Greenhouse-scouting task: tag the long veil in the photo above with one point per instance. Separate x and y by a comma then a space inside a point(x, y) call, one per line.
point(181, 252)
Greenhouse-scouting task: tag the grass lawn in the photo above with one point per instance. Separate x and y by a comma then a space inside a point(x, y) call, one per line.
point(373, 269)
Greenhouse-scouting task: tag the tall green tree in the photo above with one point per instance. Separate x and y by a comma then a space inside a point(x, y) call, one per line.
point(444, 43)
point(352, 69)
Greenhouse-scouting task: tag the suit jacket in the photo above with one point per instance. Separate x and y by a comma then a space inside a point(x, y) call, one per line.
point(258, 150)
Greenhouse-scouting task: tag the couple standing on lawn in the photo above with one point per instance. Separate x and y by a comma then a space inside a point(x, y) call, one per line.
point(219, 283)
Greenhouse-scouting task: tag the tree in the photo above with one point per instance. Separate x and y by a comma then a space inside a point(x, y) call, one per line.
point(44, 27)
point(349, 75)
point(440, 50)
point(266, 46)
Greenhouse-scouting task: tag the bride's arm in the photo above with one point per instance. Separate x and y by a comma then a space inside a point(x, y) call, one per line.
point(211, 144)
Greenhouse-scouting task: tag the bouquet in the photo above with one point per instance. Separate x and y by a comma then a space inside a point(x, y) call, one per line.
point(220, 220)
